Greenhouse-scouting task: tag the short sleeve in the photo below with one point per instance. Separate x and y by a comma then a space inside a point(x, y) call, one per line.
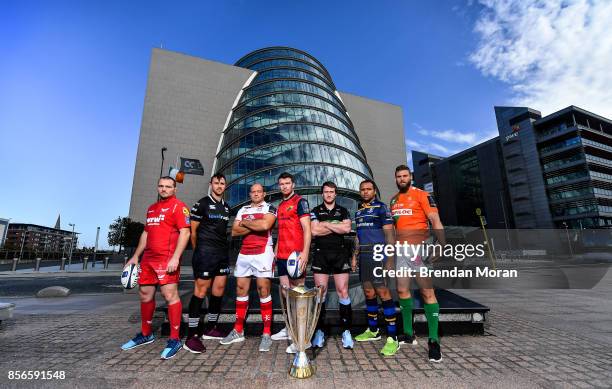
point(272, 209)
point(302, 208)
point(314, 217)
point(197, 212)
point(385, 215)
point(345, 214)
point(181, 216)
point(428, 203)
point(239, 214)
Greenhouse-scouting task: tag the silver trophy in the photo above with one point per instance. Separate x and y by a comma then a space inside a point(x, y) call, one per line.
point(301, 308)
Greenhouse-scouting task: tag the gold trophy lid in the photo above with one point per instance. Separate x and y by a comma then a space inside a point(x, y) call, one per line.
point(302, 291)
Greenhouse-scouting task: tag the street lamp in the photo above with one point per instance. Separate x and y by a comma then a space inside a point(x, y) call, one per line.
point(71, 245)
point(161, 169)
point(569, 242)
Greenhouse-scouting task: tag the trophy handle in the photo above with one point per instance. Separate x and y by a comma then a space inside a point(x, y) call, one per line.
point(284, 300)
point(317, 311)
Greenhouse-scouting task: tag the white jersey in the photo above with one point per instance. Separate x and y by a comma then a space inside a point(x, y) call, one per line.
point(256, 241)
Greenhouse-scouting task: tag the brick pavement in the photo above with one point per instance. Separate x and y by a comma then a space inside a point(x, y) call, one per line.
point(516, 351)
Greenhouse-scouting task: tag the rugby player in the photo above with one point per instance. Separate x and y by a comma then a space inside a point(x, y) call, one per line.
point(161, 244)
point(412, 209)
point(374, 226)
point(330, 222)
point(256, 258)
point(294, 234)
point(210, 262)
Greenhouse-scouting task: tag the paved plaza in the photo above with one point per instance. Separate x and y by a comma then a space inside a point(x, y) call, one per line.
point(545, 338)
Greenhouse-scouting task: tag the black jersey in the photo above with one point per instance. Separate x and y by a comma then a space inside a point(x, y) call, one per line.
point(335, 215)
point(213, 217)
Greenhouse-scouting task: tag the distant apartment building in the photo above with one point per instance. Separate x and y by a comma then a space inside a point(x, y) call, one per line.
point(33, 237)
point(540, 172)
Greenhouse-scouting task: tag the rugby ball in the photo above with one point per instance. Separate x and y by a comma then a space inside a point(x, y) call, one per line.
point(293, 265)
point(129, 276)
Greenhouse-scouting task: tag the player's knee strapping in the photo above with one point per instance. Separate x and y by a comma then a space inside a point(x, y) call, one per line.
point(389, 310)
point(321, 319)
point(346, 312)
point(372, 312)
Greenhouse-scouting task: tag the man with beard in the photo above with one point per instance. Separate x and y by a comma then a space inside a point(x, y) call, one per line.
point(412, 209)
point(209, 219)
point(162, 243)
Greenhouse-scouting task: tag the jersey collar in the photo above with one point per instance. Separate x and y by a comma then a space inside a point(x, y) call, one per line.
point(215, 201)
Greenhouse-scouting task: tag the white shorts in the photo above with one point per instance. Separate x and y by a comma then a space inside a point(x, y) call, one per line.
point(258, 265)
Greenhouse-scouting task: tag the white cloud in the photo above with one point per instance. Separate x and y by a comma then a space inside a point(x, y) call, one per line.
point(552, 53)
point(448, 135)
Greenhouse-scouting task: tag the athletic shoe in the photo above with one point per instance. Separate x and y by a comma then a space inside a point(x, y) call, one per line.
point(390, 347)
point(367, 336)
point(281, 335)
point(292, 348)
point(194, 345)
point(138, 340)
point(266, 343)
point(213, 333)
point(233, 337)
point(434, 351)
point(319, 339)
point(347, 339)
point(173, 347)
point(407, 339)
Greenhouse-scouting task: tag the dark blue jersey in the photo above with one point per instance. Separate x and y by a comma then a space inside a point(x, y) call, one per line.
point(370, 219)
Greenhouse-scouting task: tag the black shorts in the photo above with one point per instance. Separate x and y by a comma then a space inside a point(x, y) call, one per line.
point(371, 270)
point(331, 261)
point(208, 263)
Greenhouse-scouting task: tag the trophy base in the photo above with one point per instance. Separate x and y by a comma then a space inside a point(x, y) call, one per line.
point(302, 368)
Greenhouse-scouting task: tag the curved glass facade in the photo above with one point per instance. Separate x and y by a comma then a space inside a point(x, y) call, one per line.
point(289, 118)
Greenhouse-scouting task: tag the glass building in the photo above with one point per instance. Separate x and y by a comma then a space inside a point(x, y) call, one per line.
point(290, 117)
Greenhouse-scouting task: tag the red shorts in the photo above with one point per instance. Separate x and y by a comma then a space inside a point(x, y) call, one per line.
point(153, 272)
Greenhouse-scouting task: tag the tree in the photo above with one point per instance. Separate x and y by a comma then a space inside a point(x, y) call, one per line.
point(124, 232)
point(116, 231)
point(132, 233)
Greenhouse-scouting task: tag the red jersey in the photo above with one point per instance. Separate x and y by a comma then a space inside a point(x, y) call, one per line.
point(255, 242)
point(290, 233)
point(164, 220)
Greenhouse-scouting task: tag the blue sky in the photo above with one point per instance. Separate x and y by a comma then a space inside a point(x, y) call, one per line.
point(73, 78)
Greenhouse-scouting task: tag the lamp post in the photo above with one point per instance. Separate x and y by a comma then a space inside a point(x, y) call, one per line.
point(161, 168)
point(569, 242)
point(71, 245)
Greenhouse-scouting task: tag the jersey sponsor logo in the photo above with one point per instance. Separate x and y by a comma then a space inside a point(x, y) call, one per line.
point(402, 212)
point(185, 211)
point(156, 220)
point(187, 221)
point(212, 206)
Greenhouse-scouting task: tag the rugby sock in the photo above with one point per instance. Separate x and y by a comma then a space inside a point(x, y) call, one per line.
point(195, 304)
point(372, 312)
point(432, 312)
point(265, 305)
point(214, 308)
point(346, 313)
point(406, 306)
point(146, 316)
point(321, 320)
point(389, 310)
point(242, 304)
point(174, 317)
